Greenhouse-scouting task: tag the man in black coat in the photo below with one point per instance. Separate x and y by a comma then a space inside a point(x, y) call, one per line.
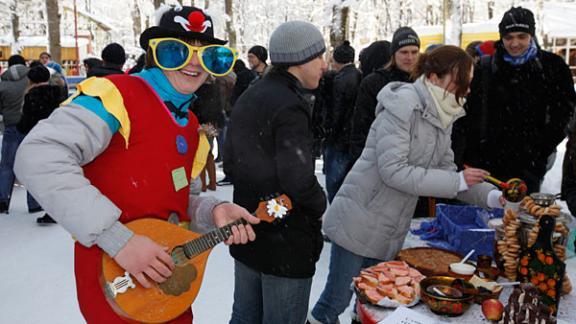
point(268, 151)
point(338, 117)
point(405, 49)
point(519, 105)
point(113, 59)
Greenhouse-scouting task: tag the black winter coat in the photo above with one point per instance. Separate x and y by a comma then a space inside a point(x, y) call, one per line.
point(524, 119)
point(339, 115)
point(269, 150)
point(208, 106)
point(569, 172)
point(39, 103)
point(101, 71)
point(365, 108)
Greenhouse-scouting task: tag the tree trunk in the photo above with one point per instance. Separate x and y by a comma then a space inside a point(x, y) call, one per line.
point(338, 28)
point(136, 22)
point(157, 4)
point(53, 17)
point(230, 29)
point(452, 22)
point(15, 26)
point(490, 4)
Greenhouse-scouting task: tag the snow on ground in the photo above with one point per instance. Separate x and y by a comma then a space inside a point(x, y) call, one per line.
point(37, 279)
point(36, 267)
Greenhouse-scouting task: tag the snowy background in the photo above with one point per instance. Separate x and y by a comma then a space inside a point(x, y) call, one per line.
point(36, 267)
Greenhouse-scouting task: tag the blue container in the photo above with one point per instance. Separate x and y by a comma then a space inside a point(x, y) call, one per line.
point(466, 228)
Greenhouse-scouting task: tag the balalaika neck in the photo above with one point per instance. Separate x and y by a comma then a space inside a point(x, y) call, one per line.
point(209, 240)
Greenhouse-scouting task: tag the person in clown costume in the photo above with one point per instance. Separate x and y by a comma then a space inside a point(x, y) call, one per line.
point(125, 147)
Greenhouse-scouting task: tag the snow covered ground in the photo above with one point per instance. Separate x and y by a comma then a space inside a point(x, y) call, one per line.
point(36, 268)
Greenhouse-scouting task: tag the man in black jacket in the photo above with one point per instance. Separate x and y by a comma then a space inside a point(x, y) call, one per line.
point(113, 59)
point(268, 151)
point(519, 105)
point(405, 48)
point(338, 118)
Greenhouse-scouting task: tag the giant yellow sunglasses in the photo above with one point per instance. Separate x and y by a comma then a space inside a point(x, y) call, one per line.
point(173, 54)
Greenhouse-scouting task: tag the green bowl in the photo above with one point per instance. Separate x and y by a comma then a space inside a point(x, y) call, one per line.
point(450, 306)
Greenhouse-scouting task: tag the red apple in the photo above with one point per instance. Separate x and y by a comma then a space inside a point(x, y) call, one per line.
point(492, 309)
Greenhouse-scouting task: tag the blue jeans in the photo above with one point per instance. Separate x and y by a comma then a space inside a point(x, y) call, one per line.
point(337, 293)
point(10, 142)
point(261, 298)
point(336, 166)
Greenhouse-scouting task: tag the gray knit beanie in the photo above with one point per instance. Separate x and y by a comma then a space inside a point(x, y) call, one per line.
point(295, 43)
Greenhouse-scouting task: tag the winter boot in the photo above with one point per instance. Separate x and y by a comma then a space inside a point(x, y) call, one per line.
point(45, 220)
point(4, 207)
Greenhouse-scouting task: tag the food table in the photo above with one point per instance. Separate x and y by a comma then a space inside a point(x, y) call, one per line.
point(372, 314)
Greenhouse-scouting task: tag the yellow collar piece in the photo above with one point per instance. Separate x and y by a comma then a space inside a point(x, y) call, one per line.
point(201, 154)
point(111, 100)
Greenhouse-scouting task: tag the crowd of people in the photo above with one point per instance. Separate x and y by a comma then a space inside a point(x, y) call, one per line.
point(393, 131)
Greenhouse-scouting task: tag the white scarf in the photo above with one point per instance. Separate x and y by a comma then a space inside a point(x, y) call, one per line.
point(446, 103)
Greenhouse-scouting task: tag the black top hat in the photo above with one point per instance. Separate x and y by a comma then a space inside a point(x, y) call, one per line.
point(182, 21)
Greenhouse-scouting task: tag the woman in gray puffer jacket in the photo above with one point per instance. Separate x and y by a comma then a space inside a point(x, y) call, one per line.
point(407, 155)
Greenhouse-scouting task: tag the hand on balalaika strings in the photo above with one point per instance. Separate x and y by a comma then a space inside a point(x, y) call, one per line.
point(175, 259)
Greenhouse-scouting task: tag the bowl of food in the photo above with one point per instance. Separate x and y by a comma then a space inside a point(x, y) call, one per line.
point(462, 270)
point(443, 301)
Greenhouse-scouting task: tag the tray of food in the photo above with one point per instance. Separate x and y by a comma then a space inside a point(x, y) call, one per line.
point(389, 284)
point(429, 261)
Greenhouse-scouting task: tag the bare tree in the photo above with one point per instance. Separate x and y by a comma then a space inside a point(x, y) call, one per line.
point(15, 23)
point(157, 4)
point(491, 4)
point(230, 29)
point(339, 25)
point(136, 21)
point(53, 17)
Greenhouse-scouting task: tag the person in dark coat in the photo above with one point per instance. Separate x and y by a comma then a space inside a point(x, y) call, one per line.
point(519, 105)
point(338, 121)
point(374, 57)
point(404, 49)
point(91, 63)
point(270, 151)
point(243, 79)
point(113, 59)
point(40, 101)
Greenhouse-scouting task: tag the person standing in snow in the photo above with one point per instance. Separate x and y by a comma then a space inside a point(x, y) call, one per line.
point(405, 48)
point(40, 101)
point(257, 56)
point(12, 90)
point(407, 155)
point(339, 117)
point(125, 148)
point(520, 103)
point(268, 151)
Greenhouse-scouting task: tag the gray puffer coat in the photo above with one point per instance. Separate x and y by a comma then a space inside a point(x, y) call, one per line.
point(407, 155)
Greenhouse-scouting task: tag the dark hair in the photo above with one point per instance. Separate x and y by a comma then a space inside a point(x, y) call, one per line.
point(140, 62)
point(45, 53)
point(447, 59)
point(35, 63)
point(16, 59)
point(92, 62)
point(374, 57)
point(471, 49)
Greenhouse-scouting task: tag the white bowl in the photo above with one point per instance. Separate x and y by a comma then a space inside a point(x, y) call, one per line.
point(462, 268)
